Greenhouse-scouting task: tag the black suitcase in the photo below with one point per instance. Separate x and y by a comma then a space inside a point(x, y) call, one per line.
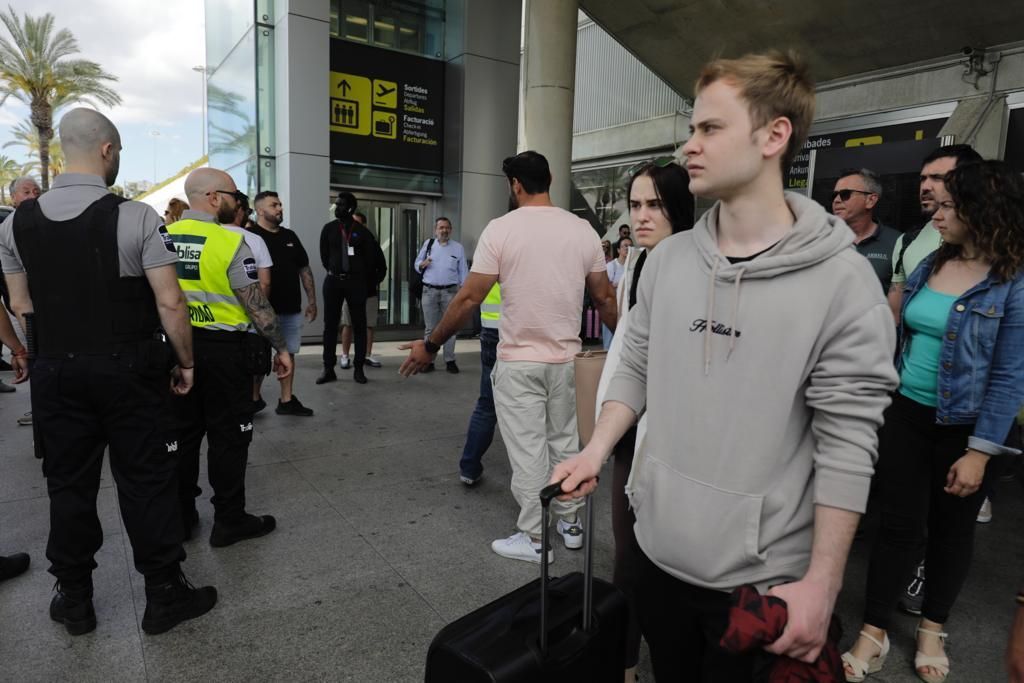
point(567, 629)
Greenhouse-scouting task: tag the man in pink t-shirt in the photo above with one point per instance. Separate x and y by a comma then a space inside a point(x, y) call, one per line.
point(543, 257)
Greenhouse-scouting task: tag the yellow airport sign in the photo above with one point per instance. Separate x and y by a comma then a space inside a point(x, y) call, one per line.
point(351, 104)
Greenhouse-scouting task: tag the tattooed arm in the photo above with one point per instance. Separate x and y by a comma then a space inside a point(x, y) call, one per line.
point(306, 275)
point(265, 321)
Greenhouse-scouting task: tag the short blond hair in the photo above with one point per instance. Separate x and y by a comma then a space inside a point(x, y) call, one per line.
point(773, 84)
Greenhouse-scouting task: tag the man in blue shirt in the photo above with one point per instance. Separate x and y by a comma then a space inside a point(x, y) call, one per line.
point(442, 263)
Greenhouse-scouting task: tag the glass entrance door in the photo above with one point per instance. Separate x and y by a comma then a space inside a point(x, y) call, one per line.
point(399, 227)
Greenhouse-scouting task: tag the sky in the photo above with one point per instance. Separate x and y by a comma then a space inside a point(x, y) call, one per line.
point(151, 47)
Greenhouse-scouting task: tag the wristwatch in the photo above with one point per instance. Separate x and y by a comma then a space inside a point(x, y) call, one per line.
point(431, 347)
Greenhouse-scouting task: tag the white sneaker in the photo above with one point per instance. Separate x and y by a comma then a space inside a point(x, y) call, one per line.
point(373, 361)
point(985, 513)
point(344, 362)
point(571, 533)
point(519, 546)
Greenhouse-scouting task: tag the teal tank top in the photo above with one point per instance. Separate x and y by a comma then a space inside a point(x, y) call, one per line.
point(925, 318)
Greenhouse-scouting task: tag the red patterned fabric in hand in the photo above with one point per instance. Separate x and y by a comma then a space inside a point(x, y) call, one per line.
point(757, 620)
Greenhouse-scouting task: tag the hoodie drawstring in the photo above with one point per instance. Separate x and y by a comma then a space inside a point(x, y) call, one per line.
point(711, 312)
point(735, 313)
point(708, 317)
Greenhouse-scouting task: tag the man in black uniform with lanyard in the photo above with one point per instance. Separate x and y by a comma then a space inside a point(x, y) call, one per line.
point(347, 252)
point(96, 278)
point(217, 272)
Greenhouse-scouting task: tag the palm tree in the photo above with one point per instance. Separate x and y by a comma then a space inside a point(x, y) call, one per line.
point(9, 170)
point(36, 69)
point(26, 136)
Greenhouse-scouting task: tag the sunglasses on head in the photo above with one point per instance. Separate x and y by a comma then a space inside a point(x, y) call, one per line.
point(846, 194)
point(657, 162)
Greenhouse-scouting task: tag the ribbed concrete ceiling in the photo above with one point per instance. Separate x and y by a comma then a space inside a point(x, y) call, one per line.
point(839, 38)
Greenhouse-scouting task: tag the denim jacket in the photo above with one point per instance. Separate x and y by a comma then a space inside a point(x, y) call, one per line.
point(981, 364)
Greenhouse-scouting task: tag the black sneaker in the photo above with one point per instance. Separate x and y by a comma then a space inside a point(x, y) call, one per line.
point(358, 375)
point(293, 407)
point(451, 367)
point(250, 526)
point(913, 597)
point(73, 608)
point(328, 375)
point(168, 604)
point(258, 405)
point(13, 565)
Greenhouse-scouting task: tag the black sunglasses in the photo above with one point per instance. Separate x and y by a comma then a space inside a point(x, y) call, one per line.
point(846, 194)
point(237, 194)
point(657, 162)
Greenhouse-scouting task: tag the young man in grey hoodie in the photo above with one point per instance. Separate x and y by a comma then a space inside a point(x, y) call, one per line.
point(761, 351)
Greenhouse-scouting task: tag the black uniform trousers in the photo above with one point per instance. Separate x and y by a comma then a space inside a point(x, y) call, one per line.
point(219, 407)
point(81, 403)
point(338, 289)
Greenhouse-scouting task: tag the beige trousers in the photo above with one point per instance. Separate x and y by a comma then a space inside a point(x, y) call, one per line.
point(536, 408)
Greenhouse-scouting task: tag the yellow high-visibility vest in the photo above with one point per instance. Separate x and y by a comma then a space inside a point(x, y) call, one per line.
point(205, 251)
point(490, 309)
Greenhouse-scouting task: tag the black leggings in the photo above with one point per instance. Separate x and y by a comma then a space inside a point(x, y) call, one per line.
point(626, 561)
point(914, 457)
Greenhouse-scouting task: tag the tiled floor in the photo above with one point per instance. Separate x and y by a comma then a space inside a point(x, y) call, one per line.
point(378, 545)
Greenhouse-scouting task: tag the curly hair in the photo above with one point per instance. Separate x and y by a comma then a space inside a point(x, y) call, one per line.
point(989, 199)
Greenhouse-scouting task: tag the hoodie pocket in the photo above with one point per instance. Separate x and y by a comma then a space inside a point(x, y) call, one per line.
point(703, 531)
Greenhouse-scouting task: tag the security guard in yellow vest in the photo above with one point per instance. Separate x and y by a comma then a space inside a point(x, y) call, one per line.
point(217, 272)
point(483, 420)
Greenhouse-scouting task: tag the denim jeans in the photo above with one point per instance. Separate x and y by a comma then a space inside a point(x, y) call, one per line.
point(483, 419)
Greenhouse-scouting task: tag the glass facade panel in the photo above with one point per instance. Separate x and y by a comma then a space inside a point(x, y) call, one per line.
point(408, 25)
point(226, 21)
point(599, 196)
point(231, 95)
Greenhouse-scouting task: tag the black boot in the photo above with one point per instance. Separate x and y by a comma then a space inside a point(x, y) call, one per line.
point(249, 526)
point(72, 606)
point(171, 602)
point(358, 375)
point(327, 376)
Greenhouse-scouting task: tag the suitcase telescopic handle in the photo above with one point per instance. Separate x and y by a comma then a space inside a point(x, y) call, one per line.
point(547, 494)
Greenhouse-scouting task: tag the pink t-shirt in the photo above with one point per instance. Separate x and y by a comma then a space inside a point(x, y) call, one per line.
point(542, 256)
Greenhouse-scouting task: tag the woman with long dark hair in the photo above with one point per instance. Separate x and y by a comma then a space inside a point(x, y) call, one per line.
point(660, 205)
point(961, 364)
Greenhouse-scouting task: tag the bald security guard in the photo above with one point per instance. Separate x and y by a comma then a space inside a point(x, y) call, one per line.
point(218, 273)
point(96, 276)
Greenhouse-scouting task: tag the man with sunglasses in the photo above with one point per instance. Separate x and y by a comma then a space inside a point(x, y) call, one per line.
point(219, 275)
point(856, 194)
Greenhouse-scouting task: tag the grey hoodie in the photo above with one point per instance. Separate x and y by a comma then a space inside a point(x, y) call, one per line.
point(764, 384)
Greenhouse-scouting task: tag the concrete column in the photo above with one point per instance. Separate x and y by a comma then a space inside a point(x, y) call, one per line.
point(981, 123)
point(548, 89)
point(481, 111)
point(301, 66)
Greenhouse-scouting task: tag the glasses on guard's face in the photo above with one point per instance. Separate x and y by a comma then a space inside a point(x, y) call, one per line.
point(846, 194)
point(237, 194)
point(657, 162)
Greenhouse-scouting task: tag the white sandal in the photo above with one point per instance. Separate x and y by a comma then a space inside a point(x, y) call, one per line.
point(938, 662)
point(859, 669)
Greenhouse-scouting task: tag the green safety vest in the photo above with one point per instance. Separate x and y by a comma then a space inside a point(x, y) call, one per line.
point(205, 251)
point(490, 309)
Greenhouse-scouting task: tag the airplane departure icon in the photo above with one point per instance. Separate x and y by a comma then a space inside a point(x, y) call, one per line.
point(384, 91)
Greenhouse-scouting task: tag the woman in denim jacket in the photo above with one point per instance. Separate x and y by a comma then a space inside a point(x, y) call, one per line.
point(961, 364)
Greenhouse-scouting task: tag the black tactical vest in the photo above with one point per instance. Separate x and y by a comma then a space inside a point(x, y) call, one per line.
point(81, 302)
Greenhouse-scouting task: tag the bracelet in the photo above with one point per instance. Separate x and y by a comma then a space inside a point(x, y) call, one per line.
point(20, 354)
point(431, 347)
point(182, 367)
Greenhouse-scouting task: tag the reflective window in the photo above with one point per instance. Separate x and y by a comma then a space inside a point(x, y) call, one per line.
point(408, 25)
point(226, 22)
point(265, 90)
point(231, 96)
